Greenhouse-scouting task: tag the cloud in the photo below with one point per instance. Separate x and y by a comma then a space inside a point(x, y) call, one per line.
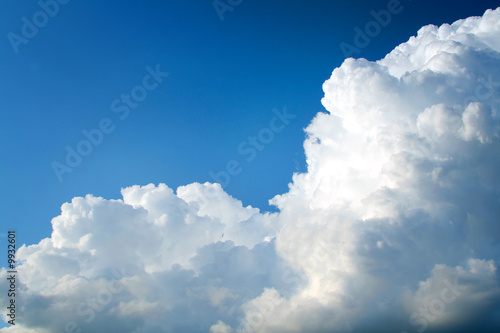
point(155, 257)
point(453, 297)
point(394, 226)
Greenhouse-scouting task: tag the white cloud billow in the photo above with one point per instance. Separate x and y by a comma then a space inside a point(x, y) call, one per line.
point(394, 226)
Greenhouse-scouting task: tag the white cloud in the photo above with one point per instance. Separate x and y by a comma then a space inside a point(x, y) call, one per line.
point(452, 297)
point(401, 199)
point(220, 327)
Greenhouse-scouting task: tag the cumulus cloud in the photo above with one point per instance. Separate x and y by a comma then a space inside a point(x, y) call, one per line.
point(151, 261)
point(394, 226)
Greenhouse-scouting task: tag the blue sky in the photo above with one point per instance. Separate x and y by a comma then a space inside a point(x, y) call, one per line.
point(225, 79)
point(231, 78)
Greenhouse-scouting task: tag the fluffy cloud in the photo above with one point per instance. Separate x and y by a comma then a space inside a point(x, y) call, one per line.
point(155, 258)
point(394, 226)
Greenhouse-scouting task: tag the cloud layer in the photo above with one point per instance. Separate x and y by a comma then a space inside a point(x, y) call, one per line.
point(394, 226)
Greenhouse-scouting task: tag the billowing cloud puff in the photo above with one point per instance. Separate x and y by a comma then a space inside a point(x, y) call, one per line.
point(150, 262)
point(393, 228)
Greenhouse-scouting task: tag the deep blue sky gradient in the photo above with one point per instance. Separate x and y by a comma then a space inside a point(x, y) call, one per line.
point(225, 79)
